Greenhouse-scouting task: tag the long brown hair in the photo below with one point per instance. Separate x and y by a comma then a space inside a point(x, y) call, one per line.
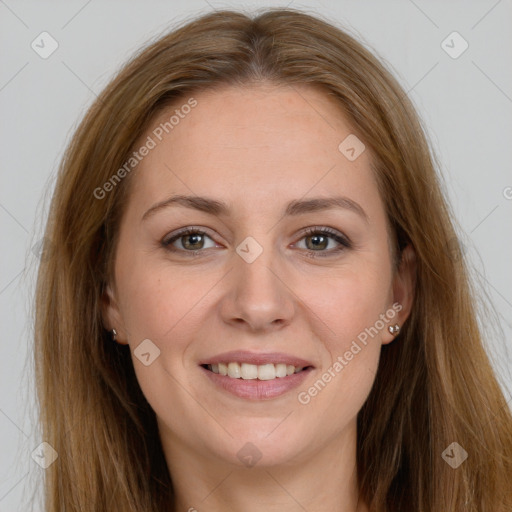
point(434, 386)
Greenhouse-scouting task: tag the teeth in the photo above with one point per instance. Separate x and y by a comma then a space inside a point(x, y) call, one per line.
point(249, 371)
point(280, 370)
point(234, 371)
point(266, 372)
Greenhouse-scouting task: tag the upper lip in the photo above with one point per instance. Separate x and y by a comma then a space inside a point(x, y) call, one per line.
point(257, 358)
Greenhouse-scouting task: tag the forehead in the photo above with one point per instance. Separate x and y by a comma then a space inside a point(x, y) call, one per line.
point(256, 144)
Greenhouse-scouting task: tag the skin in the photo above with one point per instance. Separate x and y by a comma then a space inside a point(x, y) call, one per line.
point(256, 148)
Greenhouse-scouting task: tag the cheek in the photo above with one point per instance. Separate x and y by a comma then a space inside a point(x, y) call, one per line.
point(340, 390)
point(157, 303)
point(355, 308)
point(351, 300)
point(165, 308)
point(353, 345)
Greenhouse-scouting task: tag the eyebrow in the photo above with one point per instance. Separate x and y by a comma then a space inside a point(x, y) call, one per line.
point(293, 208)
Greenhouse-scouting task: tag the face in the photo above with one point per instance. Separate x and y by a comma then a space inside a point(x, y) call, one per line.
point(284, 278)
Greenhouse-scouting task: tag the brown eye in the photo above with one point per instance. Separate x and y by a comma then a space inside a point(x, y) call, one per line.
point(188, 240)
point(317, 242)
point(193, 241)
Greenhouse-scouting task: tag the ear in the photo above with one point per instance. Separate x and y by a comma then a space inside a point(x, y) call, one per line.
point(111, 314)
point(403, 288)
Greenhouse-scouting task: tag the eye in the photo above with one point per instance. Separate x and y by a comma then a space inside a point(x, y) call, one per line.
point(318, 238)
point(190, 239)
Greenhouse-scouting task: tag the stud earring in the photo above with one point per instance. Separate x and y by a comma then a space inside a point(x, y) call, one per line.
point(394, 329)
point(114, 334)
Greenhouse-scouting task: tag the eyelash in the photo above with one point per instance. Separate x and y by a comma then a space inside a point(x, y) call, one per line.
point(324, 231)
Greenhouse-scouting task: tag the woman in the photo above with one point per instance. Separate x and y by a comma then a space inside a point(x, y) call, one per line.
point(253, 299)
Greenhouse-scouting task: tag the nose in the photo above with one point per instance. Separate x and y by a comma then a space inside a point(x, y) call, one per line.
point(258, 296)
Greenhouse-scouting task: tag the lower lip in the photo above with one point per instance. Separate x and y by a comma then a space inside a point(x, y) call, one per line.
point(257, 389)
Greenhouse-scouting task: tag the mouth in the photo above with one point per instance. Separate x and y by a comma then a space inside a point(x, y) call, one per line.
point(248, 371)
point(256, 376)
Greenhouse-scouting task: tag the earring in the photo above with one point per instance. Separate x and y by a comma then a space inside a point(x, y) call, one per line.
point(394, 329)
point(114, 334)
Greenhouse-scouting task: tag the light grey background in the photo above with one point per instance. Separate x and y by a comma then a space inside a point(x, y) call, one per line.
point(466, 105)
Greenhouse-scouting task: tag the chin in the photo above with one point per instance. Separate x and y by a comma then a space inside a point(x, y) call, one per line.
point(265, 447)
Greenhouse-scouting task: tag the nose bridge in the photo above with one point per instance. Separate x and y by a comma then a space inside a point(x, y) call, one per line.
point(258, 295)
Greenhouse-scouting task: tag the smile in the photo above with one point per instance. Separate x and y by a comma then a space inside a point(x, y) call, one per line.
point(255, 376)
point(248, 371)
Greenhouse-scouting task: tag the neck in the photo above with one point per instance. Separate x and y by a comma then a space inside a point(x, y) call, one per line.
point(323, 480)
